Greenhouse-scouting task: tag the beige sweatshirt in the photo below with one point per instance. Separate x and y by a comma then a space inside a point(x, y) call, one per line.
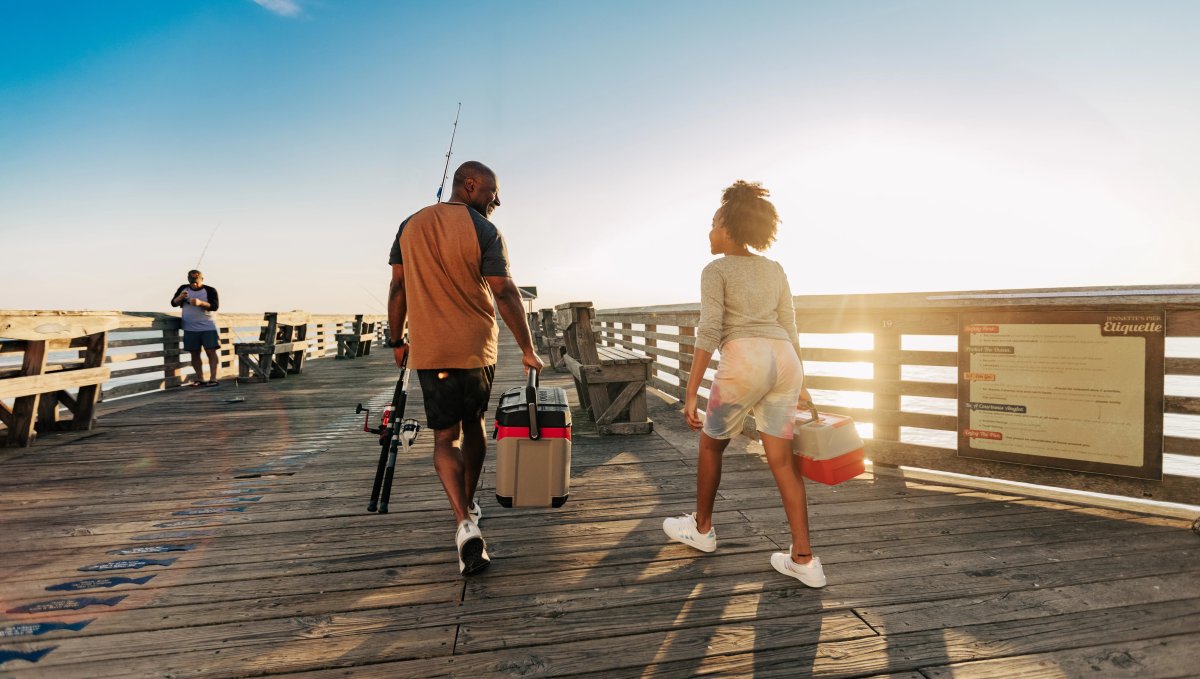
point(745, 297)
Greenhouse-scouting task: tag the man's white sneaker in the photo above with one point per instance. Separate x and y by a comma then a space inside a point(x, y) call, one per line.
point(475, 511)
point(809, 573)
point(472, 550)
point(683, 529)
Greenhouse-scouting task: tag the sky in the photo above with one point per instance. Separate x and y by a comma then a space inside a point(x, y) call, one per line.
point(908, 145)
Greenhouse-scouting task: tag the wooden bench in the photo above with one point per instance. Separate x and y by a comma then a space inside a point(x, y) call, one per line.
point(358, 341)
point(280, 348)
point(610, 381)
point(38, 387)
point(554, 344)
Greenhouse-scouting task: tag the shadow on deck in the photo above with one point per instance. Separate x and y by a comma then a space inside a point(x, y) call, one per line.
point(276, 567)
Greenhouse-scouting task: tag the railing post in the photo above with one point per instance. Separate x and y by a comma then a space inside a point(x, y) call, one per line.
point(224, 350)
point(171, 341)
point(651, 344)
point(686, 351)
point(886, 339)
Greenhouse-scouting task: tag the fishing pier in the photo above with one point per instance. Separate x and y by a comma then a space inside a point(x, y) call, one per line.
point(164, 531)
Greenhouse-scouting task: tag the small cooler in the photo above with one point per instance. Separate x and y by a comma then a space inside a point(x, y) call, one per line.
point(830, 448)
point(533, 452)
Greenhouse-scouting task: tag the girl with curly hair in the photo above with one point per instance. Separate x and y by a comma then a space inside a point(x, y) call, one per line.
point(746, 311)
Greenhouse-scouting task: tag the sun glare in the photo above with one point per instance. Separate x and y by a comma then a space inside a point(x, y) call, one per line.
point(903, 210)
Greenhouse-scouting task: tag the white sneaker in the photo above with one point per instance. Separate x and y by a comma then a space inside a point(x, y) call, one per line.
point(472, 550)
point(475, 511)
point(809, 573)
point(683, 529)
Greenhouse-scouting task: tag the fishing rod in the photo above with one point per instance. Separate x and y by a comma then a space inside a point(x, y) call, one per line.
point(446, 169)
point(206, 244)
point(376, 298)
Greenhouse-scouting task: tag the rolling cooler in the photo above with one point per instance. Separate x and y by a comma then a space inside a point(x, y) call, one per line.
point(533, 452)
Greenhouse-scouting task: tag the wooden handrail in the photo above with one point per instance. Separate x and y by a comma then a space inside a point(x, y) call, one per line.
point(147, 345)
point(889, 317)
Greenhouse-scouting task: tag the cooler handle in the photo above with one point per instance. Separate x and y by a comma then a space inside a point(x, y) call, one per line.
point(812, 409)
point(531, 402)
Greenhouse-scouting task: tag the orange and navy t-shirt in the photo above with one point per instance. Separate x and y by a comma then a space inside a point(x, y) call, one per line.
point(446, 250)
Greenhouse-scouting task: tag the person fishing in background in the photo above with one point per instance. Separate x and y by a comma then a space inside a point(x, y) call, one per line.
point(199, 302)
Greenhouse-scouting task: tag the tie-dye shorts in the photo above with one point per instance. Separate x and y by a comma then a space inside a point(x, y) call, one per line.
point(756, 375)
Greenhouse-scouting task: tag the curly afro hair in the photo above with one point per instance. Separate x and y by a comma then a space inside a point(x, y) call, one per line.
point(748, 216)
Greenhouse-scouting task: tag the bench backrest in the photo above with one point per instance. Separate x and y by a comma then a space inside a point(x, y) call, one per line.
point(549, 326)
point(575, 319)
point(284, 326)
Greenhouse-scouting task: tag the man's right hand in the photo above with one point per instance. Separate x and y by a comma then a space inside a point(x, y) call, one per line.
point(400, 351)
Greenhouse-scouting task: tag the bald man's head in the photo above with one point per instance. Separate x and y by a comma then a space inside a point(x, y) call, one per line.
point(475, 184)
point(471, 169)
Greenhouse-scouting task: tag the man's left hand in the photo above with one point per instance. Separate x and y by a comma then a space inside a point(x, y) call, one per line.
point(532, 361)
point(400, 350)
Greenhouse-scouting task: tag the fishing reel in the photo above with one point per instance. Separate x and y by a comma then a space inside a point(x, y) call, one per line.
point(409, 429)
point(383, 425)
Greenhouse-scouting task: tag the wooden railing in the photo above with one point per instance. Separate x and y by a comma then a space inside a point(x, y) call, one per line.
point(894, 336)
point(146, 354)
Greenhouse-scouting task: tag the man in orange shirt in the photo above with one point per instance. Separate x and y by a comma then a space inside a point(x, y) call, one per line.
point(448, 264)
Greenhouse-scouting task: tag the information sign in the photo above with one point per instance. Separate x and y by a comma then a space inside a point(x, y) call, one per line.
point(1079, 390)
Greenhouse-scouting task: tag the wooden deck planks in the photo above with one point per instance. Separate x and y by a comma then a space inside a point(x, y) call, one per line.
point(924, 576)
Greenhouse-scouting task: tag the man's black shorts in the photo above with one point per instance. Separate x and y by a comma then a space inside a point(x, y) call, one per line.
point(194, 339)
point(455, 394)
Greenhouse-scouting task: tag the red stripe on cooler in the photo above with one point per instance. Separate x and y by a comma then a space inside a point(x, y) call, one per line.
point(503, 432)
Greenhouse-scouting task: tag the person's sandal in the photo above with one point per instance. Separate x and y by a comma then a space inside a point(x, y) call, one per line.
point(212, 383)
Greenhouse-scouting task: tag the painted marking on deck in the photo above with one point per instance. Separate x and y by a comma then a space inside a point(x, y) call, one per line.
point(182, 522)
point(34, 629)
point(66, 604)
point(152, 549)
point(28, 656)
point(96, 583)
point(126, 564)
